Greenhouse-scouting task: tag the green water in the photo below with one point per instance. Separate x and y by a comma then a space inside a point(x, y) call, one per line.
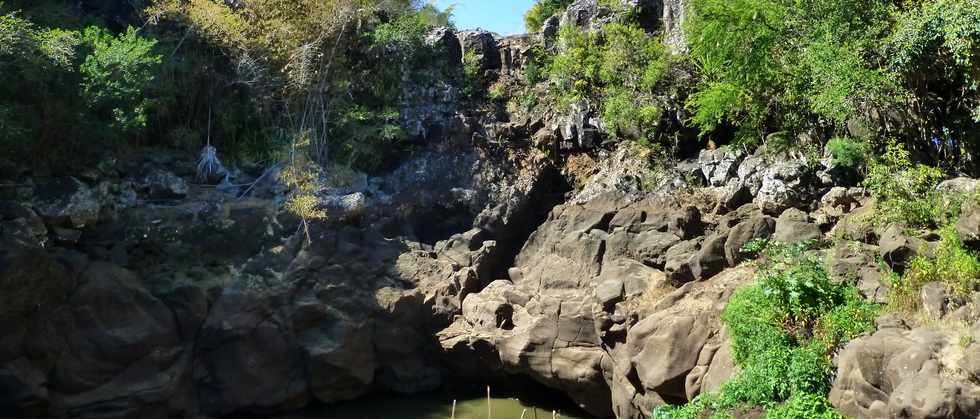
point(437, 407)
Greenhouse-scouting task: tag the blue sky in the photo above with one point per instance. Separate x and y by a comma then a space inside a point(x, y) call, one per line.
point(502, 16)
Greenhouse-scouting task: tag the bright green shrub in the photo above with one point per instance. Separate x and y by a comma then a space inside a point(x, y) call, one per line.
point(852, 317)
point(777, 65)
point(906, 192)
point(951, 264)
point(618, 70)
point(797, 283)
point(804, 406)
point(783, 328)
point(541, 11)
point(847, 152)
point(117, 76)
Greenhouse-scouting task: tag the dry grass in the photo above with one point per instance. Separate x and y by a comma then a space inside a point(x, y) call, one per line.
point(581, 167)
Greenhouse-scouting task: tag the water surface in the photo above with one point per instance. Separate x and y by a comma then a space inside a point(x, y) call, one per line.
point(439, 406)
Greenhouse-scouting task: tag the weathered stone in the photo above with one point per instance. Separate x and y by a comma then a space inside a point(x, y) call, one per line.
point(968, 225)
point(793, 226)
point(710, 259)
point(609, 292)
point(720, 165)
point(896, 373)
point(164, 185)
point(958, 186)
point(67, 202)
point(757, 227)
point(933, 297)
point(447, 46)
point(784, 184)
point(897, 249)
point(482, 45)
point(678, 261)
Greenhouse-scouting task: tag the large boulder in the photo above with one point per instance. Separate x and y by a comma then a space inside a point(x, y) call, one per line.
point(445, 43)
point(32, 285)
point(67, 202)
point(126, 355)
point(897, 248)
point(163, 185)
point(794, 226)
point(483, 46)
point(719, 165)
point(785, 184)
point(901, 373)
point(968, 225)
point(757, 227)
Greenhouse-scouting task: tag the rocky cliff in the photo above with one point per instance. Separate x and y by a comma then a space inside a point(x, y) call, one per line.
point(509, 245)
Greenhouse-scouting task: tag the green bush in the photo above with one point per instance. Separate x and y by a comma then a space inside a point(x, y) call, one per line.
point(951, 264)
point(804, 406)
point(783, 329)
point(848, 153)
point(905, 192)
point(117, 76)
point(618, 70)
point(541, 11)
point(934, 47)
point(777, 65)
point(797, 283)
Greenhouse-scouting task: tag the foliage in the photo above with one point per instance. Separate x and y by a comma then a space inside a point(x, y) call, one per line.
point(117, 76)
point(783, 329)
point(797, 283)
point(906, 192)
point(951, 264)
point(618, 69)
point(302, 176)
point(775, 65)
point(847, 153)
point(804, 406)
point(541, 11)
point(60, 87)
point(336, 70)
point(935, 47)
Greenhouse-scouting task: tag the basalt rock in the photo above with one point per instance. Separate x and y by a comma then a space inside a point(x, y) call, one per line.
point(899, 373)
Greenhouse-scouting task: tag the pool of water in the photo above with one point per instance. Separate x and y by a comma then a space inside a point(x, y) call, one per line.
point(440, 406)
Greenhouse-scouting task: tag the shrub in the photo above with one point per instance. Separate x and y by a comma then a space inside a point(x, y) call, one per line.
point(541, 11)
point(906, 192)
point(848, 153)
point(797, 283)
point(618, 70)
point(934, 49)
point(804, 406)
point(783, 328)
point(952, 265)
point(117, 76)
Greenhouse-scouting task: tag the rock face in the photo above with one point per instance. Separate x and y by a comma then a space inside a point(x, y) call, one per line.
point(580, 313)
point(898, 372)
point(133, 293)
point(482, 45)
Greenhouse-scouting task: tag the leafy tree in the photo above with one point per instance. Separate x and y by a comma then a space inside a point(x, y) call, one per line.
point(935, 48)
point(773, 65)
point(117, 76)
point(541, 11)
